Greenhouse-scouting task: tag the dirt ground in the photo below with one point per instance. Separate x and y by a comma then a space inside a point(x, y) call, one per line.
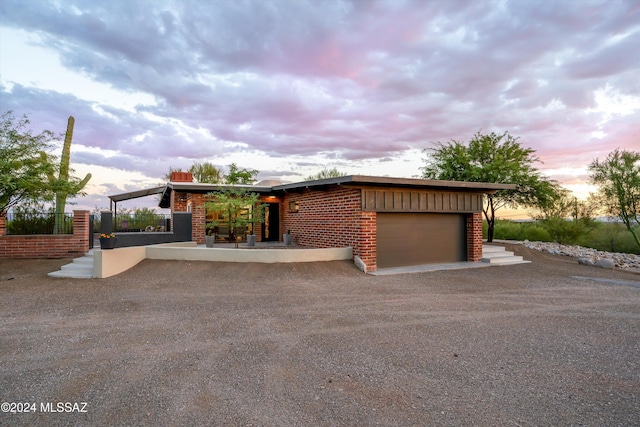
point(320, 344)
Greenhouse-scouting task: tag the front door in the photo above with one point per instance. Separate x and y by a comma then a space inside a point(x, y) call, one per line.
point(271, 224)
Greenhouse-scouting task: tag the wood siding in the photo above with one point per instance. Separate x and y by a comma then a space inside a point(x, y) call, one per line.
point(386, 200)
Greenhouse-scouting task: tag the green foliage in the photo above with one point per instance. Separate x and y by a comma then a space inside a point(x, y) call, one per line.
point(138, 219)
point(240, 207)
point(326, 173)
point(66, 185)
point(612, 237)
point(618, 181)
point(33, 218)
point(206, 173)
point(492, 158)
point(511, 230)
point(602, 236)
point(24, 165)
point(555, 211)
point(565, 231)
point(238, 176)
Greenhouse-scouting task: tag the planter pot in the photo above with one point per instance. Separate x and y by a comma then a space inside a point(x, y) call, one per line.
point(208, 241)
point(107, 243)
point(251, 240)
point(288, 239)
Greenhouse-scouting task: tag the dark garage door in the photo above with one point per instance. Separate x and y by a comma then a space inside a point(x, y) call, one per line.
point(420, 238)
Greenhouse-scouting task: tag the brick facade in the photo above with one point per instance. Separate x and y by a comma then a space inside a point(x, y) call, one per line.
point(47, 245)
point(368, 240)
point(196, 203)
point(332, 216)
point(474, 237)
point(325, 219)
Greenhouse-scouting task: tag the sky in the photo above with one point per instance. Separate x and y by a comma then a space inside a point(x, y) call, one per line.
point(290, 87)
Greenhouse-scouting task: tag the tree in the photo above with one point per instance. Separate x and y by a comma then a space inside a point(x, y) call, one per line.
point(492, 158)
point(65, 185)
point(237, 176)
point(24, 165)
point(555, 212)
point(618, 180)
point(206, 173)
point(326, 173)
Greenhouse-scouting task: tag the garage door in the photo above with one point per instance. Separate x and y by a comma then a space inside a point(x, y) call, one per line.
point(420, 238)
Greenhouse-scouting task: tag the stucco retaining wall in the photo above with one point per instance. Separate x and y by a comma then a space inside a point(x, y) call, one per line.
point(108, 263)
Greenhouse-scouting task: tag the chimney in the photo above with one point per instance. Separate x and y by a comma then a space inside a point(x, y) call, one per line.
point(181, 177)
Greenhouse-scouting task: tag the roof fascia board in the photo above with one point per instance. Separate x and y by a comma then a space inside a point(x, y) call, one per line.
point(362, 180)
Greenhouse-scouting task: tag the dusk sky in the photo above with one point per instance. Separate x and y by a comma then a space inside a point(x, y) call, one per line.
point(291, 87)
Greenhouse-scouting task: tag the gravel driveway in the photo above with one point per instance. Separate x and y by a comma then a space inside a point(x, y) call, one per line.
point(321, 344)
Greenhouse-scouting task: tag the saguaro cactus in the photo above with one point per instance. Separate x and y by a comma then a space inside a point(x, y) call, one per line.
point(65, 186)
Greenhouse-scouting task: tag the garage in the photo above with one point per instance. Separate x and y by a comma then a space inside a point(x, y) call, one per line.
point(420, 238)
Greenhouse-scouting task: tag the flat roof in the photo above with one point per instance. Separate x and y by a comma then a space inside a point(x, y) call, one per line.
point(367, 180)
point(352, 180)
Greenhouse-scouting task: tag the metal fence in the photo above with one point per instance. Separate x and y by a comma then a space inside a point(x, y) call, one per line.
point(26, 223)
point(135, 222)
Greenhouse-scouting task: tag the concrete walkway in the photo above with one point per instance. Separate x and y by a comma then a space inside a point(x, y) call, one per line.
point(491, 256)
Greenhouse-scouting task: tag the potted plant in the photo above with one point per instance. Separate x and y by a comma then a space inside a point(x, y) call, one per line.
point(107, 241)
point(210, 238)
point(288, 238)
point(251, 239)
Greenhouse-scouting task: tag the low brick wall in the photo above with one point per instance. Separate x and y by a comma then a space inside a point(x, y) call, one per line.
point(47, 245)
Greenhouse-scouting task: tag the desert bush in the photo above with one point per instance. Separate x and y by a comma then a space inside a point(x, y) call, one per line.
point(611, 237)
point(512, 230)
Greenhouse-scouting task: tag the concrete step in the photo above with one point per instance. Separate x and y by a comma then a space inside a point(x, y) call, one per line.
point(493, 248)
point(498, 255)
point(80, 268)
point(505, 260)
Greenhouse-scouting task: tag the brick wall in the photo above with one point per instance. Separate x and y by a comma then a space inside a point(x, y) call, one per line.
point(368, 240)
point(198, 218)
point(47, 245)
point(325, 219)
point(474, 237)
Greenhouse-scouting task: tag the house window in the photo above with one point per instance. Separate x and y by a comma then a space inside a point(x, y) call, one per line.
point(217, 223)
point(294, 206)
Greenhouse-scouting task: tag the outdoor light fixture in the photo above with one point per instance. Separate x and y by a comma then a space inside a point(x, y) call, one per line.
point(294, 206)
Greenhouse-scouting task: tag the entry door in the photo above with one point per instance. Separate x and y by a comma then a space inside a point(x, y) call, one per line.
point(271, 224)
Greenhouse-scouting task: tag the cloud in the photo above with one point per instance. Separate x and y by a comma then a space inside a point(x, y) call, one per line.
point(348, 81)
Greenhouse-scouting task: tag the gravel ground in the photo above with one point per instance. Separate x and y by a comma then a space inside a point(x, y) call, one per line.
point(322, 344)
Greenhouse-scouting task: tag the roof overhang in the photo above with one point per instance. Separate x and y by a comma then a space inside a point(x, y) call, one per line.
point(196, 187)
point(137, 194)
point(383, 181)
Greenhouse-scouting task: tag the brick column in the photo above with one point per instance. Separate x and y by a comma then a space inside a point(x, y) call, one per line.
point(474, 237)
point(368, 240)
point(3, 223)
point(198, 218)
point(81, 231)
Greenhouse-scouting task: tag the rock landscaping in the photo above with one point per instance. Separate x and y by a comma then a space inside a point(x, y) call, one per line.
point(589, 256)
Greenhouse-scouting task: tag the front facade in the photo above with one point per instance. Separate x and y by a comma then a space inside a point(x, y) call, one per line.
point(387, 221)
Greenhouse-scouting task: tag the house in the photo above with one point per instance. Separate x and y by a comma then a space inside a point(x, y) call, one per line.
point(387, 221)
